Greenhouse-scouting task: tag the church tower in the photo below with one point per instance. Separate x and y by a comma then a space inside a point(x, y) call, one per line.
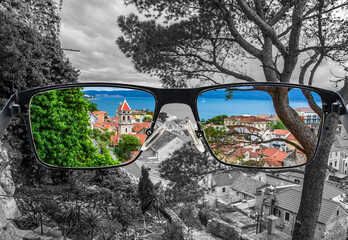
point(124, 113)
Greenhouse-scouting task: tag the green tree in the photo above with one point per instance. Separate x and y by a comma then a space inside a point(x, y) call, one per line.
point(145, 190)
point(184, 169)
point(146, 118)
point(126, 146)
point(60, 126)
point(206, 40)
point(27, 60)
point(92, 107)
point(218, 120)
point(278, 125)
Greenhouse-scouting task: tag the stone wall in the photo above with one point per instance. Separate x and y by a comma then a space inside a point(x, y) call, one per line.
point(225, 230)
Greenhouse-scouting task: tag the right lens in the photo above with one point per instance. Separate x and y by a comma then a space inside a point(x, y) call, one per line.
point(261, 126)
point(91, 126)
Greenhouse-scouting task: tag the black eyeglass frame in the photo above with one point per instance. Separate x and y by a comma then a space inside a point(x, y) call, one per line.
point(19, 104)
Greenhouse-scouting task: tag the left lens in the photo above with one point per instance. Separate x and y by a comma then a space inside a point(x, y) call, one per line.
point(261, 126)
point(91, 126)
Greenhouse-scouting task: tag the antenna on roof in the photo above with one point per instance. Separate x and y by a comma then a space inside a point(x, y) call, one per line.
point(71, 50)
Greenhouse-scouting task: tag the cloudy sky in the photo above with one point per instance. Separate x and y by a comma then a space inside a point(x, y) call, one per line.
point(90, 26)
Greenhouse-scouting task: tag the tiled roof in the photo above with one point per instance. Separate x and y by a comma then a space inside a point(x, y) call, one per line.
point(125, 106)
point(248, 119)
point(303, 109)
point(133, 169)
point(138, 126)
point(291, 137)
point(141, 137)
point(290, 200)
point(329, 191)
point(164, 139)
point(225, 178)
point(292, 156)
point(249, 128)
point(240, 152)
point(100, 112)
point(281, 132)
point(247, 184)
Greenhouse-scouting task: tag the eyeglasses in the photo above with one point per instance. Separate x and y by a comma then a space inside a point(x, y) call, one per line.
point(98, 125)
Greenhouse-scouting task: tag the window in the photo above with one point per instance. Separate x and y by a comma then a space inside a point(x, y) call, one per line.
point(126, 129)
point(335, 163)
point(338, 212)
point(287, 216)
point(297, 181)
point(128, 118)
point(124, 118)
point(223, 189)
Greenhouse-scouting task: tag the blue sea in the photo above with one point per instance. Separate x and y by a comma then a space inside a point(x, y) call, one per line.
point(210, 104)
point(110, 105)
point(207, 108)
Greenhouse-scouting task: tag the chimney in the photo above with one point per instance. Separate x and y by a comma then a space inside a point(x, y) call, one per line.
point(271, 223)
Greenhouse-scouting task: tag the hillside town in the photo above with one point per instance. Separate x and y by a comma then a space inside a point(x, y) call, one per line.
point(257, 205)
point(127, 121)
point(258, 140)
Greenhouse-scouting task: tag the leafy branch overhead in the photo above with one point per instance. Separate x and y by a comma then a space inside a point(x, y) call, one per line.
point(217, 41)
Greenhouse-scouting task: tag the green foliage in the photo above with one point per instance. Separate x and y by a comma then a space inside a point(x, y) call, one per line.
point(278, 125)
point(125, 147)
point(92, 107)
point(146, 118)
point(102, 137)
point(61, 130)
point(218, 120)
point(27, 60)
point(172, 231)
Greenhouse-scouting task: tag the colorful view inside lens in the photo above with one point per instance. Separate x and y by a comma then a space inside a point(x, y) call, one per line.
point(90, 127)
point(261, 126)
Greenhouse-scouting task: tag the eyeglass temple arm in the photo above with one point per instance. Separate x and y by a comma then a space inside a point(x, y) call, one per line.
point(7, 113)
point(343, 114)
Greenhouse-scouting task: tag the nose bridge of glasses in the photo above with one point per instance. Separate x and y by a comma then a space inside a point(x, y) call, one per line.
point(176, 118)
point(184, 96)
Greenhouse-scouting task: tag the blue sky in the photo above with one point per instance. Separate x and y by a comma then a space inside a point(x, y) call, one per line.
point(90, 26)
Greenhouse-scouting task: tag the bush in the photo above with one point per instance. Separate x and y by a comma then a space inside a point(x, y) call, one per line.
point(172, 231)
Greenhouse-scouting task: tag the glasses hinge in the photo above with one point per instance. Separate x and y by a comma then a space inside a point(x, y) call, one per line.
point(336, 108)
point(15, 109)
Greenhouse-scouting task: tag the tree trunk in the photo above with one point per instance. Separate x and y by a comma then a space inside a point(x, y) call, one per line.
point(313, 184)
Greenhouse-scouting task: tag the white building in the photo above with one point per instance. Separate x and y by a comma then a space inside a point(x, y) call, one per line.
point(308, 115)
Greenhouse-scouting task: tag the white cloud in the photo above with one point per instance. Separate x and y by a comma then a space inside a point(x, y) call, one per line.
point(90, 26)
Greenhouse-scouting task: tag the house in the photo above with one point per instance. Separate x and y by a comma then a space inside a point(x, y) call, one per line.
point(271, 117)
point(102, 116)
point(92, 119)
point(140, 128)
point(295, 158)
point(231, 187)
point(256, 122)
point(272, 157)
point(163, 147)
point(308, 115)
point(332, 221)
point(219, 184)
point(115, 139)
point(338, 158)
point(281, 145)
point(133, 171)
